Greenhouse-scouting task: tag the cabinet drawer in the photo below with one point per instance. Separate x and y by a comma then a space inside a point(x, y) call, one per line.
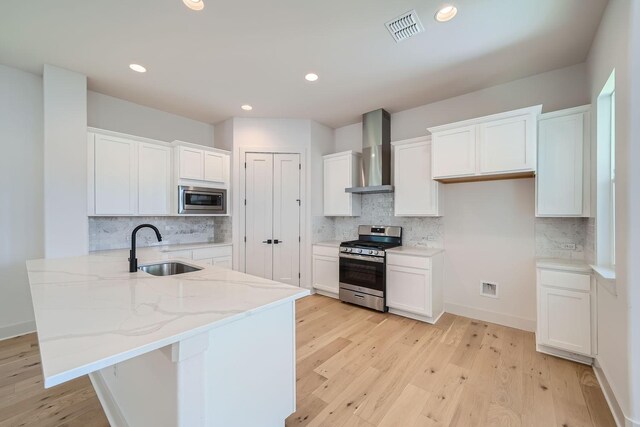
point(409, 261)
point(326, 251)
point(565, 280)
point(177, 254)
point(218, 251)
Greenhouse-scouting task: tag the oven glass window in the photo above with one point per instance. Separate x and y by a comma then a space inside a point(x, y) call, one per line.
point(201, 199)
point(366, 274)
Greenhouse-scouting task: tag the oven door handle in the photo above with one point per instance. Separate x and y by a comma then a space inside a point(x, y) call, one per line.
point(377, 259)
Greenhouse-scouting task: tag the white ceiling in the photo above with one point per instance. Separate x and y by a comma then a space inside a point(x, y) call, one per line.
point(204, 65)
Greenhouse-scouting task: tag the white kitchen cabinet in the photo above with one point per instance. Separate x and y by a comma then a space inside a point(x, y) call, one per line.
point(115, 177)
point(201, 166)
point(455, 151)
point(154, 179)
point(499, 146)
point(566, 312)
point(415, 283)
point(326, 270)
point(341, 172)
point(214, 167)
point(416, 194)
point(191, 163)
point(563, 177)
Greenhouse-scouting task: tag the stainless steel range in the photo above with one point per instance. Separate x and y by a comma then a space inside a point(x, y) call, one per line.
point(363, 265)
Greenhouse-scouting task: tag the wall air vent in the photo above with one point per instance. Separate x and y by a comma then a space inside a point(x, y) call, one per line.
point(405, 26)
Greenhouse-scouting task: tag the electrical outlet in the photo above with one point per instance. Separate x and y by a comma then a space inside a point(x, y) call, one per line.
point(115, 370)
point(570, 246)
point(431, 238)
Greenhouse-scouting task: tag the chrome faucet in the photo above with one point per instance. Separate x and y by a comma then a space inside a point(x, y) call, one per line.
point(133, 261)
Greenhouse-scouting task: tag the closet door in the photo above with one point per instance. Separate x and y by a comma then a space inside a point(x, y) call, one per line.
point(286, 218)
point(259, 215)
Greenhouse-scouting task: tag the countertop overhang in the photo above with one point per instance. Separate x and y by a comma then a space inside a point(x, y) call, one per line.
point(92, 313)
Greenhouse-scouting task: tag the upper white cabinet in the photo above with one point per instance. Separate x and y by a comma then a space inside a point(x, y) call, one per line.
point(207, 166)
point(340, 172)
point(416, 194)
point(129, 175)
point(492, 147)
point(154, 179)
point(113, 167)
point(562, 181)
point(191, 163)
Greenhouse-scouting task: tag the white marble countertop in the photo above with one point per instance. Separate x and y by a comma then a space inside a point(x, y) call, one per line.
point(564, 264)
point(329, 243)
point(92, 313)
point(415, 251)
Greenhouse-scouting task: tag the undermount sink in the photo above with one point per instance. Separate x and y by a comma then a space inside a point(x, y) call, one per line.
point(168, 268)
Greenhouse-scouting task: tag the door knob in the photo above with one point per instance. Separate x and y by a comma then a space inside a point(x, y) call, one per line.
point(267, 241)
point(276, 241)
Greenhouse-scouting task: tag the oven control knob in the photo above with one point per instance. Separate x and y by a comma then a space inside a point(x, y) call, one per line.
point(372, 252)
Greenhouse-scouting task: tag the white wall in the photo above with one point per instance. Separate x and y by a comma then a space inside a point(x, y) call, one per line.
point(611, 49)
point(489, 226)
point(292, 135)
point(21, 210)
point(107, 112)
point(66, 228)
point(489, 235)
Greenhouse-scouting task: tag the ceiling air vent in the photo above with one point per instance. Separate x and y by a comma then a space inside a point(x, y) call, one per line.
point(405, 26)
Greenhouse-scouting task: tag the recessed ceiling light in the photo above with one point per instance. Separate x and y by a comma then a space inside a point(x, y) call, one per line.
point(311, 77)
point(247, 107)
point(194, 4)
point(446, 13)
point(138, 68)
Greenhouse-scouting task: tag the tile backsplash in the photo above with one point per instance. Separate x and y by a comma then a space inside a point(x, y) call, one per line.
point(377, 209)
point(553, 236)
point(115, 232)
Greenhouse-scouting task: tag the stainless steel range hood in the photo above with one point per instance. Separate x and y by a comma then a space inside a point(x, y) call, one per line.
point(376, 154)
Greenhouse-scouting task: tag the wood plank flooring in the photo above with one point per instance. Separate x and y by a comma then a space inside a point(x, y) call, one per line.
point(361, 368)
point(25, 402)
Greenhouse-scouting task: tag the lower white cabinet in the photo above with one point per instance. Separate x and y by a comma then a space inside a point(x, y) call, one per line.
point(216, 255)
point(414, 284)
point(566, 313)
point(326, 270)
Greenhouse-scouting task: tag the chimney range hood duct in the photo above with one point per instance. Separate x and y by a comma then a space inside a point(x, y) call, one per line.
point(376, 154)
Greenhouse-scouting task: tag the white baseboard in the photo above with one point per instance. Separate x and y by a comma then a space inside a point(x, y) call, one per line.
point(17, 329)
point(490, 316)
point(109, 405)
point(618, 415)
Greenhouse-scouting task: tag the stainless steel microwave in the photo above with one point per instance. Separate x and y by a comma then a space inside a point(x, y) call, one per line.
point(202, 200)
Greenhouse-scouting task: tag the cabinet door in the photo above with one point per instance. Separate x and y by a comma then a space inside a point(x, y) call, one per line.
point(564, 319)
point(416, 194)
point(223, 262)
point(116, 180)
point(337, 177)
point(326, 272)
point(560, 166)
point(154, 179)
point(409, 289)
point(214, 167)
point(507, 145)
point(191, 163)
point(454, 152)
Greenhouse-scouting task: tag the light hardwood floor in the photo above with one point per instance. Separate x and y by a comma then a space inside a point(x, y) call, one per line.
point(361, 368)
point(25, 402)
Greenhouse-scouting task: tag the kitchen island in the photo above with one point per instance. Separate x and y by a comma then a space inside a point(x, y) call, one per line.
point(213, 347)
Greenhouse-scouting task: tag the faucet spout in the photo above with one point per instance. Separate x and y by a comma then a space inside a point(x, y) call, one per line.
point(133, 261)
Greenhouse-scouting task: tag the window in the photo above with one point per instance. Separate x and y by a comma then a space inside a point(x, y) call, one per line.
point(606, 175)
